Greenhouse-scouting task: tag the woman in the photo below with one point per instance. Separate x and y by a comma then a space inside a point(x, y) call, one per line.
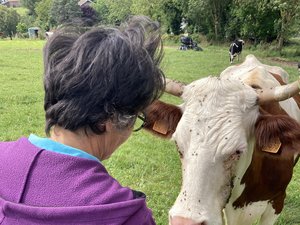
point(96, 84)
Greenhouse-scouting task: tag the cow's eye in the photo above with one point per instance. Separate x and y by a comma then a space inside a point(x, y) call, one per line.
point(255, 86)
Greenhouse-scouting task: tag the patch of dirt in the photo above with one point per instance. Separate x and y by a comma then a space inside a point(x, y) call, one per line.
point(283, 62)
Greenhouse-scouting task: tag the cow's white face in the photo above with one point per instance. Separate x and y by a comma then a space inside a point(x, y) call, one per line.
point(218, 117)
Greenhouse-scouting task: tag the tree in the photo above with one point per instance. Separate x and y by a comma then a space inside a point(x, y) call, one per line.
point(30, 4)
point(153, 8)
point(9, 19)
point(209, 16)
point(113, 11)
point(21, 28)
point(119, 10)
point(253, 19)
point(64, 11)
point(28, 21)
point(89, 15)
point(289, 13)
point(168, 12)
point(258, 20)
point(43, 9)
point(173, 15)
point(102, 10)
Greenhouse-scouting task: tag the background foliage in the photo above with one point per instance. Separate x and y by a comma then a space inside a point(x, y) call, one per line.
point(63, 11)
point(256, 21)
point(9, 19)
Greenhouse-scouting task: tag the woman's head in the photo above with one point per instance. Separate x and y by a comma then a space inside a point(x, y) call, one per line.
point(103, 74)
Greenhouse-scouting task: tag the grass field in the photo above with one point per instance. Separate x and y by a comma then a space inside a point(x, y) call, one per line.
point(144, 163)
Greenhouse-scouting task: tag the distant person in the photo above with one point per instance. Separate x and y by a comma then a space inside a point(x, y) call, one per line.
point(96, 85)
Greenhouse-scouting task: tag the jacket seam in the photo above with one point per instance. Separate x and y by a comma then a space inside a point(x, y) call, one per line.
point(22, 193)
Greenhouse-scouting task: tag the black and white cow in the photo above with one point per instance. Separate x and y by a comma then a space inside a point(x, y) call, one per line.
point(235, 49)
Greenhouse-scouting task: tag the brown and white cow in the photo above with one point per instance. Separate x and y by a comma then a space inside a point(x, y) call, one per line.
point(238, 139)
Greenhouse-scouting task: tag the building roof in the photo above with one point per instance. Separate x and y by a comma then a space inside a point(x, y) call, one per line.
point(13, 3)
point(82, 2)
point(6, 1)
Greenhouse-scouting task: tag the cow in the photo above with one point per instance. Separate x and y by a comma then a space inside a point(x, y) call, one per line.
point(235, 49)
point(238, 139)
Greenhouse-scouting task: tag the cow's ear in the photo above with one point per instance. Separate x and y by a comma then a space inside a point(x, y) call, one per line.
point(162, 118)
point(277, 133)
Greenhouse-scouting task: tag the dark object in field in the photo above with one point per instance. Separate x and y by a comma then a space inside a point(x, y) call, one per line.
point(188, 43)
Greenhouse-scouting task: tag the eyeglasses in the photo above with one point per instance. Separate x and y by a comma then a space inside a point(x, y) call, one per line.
point(139, 123)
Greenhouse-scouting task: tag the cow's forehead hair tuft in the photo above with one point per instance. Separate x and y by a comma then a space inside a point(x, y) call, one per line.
point(215, 86)
point(215, 112)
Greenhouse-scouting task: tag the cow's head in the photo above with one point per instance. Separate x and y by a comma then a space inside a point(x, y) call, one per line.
point(212, 129)
point(218, 116)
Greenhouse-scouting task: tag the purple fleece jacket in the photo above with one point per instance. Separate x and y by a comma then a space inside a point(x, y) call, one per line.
point(44, 187)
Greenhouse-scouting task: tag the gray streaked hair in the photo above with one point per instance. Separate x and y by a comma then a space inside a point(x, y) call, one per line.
point(97, 75)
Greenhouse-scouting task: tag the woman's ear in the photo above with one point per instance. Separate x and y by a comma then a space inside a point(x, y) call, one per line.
point(107, 126)
point(102, 127)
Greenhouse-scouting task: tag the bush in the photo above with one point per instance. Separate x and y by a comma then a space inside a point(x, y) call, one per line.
point(9, 20)
point(297, 52)
point(290, 52)
point(21, 27)
point(175, 39)
point(22, 35)
point(200, 39)
point(42, 35)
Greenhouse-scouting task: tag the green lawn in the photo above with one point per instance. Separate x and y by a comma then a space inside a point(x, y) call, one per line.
point(145, 162)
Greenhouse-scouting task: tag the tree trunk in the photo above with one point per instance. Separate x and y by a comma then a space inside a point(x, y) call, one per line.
point(216, 28)
point(280, 42)
point(280, 37)
point(216, 18)
point(286, 17)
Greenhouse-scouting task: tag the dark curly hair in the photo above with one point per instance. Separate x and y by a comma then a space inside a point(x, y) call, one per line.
point(101, 74)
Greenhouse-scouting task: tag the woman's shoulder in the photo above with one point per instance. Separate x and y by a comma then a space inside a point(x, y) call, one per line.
point(55, 180)
point(73, 181)
point(64, 180)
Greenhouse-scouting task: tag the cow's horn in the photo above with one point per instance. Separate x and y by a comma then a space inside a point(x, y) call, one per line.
point(174, 87)
point(279, 93)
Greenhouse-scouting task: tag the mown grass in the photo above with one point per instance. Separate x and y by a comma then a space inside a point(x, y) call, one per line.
point(144, 163)
point(21, 92)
